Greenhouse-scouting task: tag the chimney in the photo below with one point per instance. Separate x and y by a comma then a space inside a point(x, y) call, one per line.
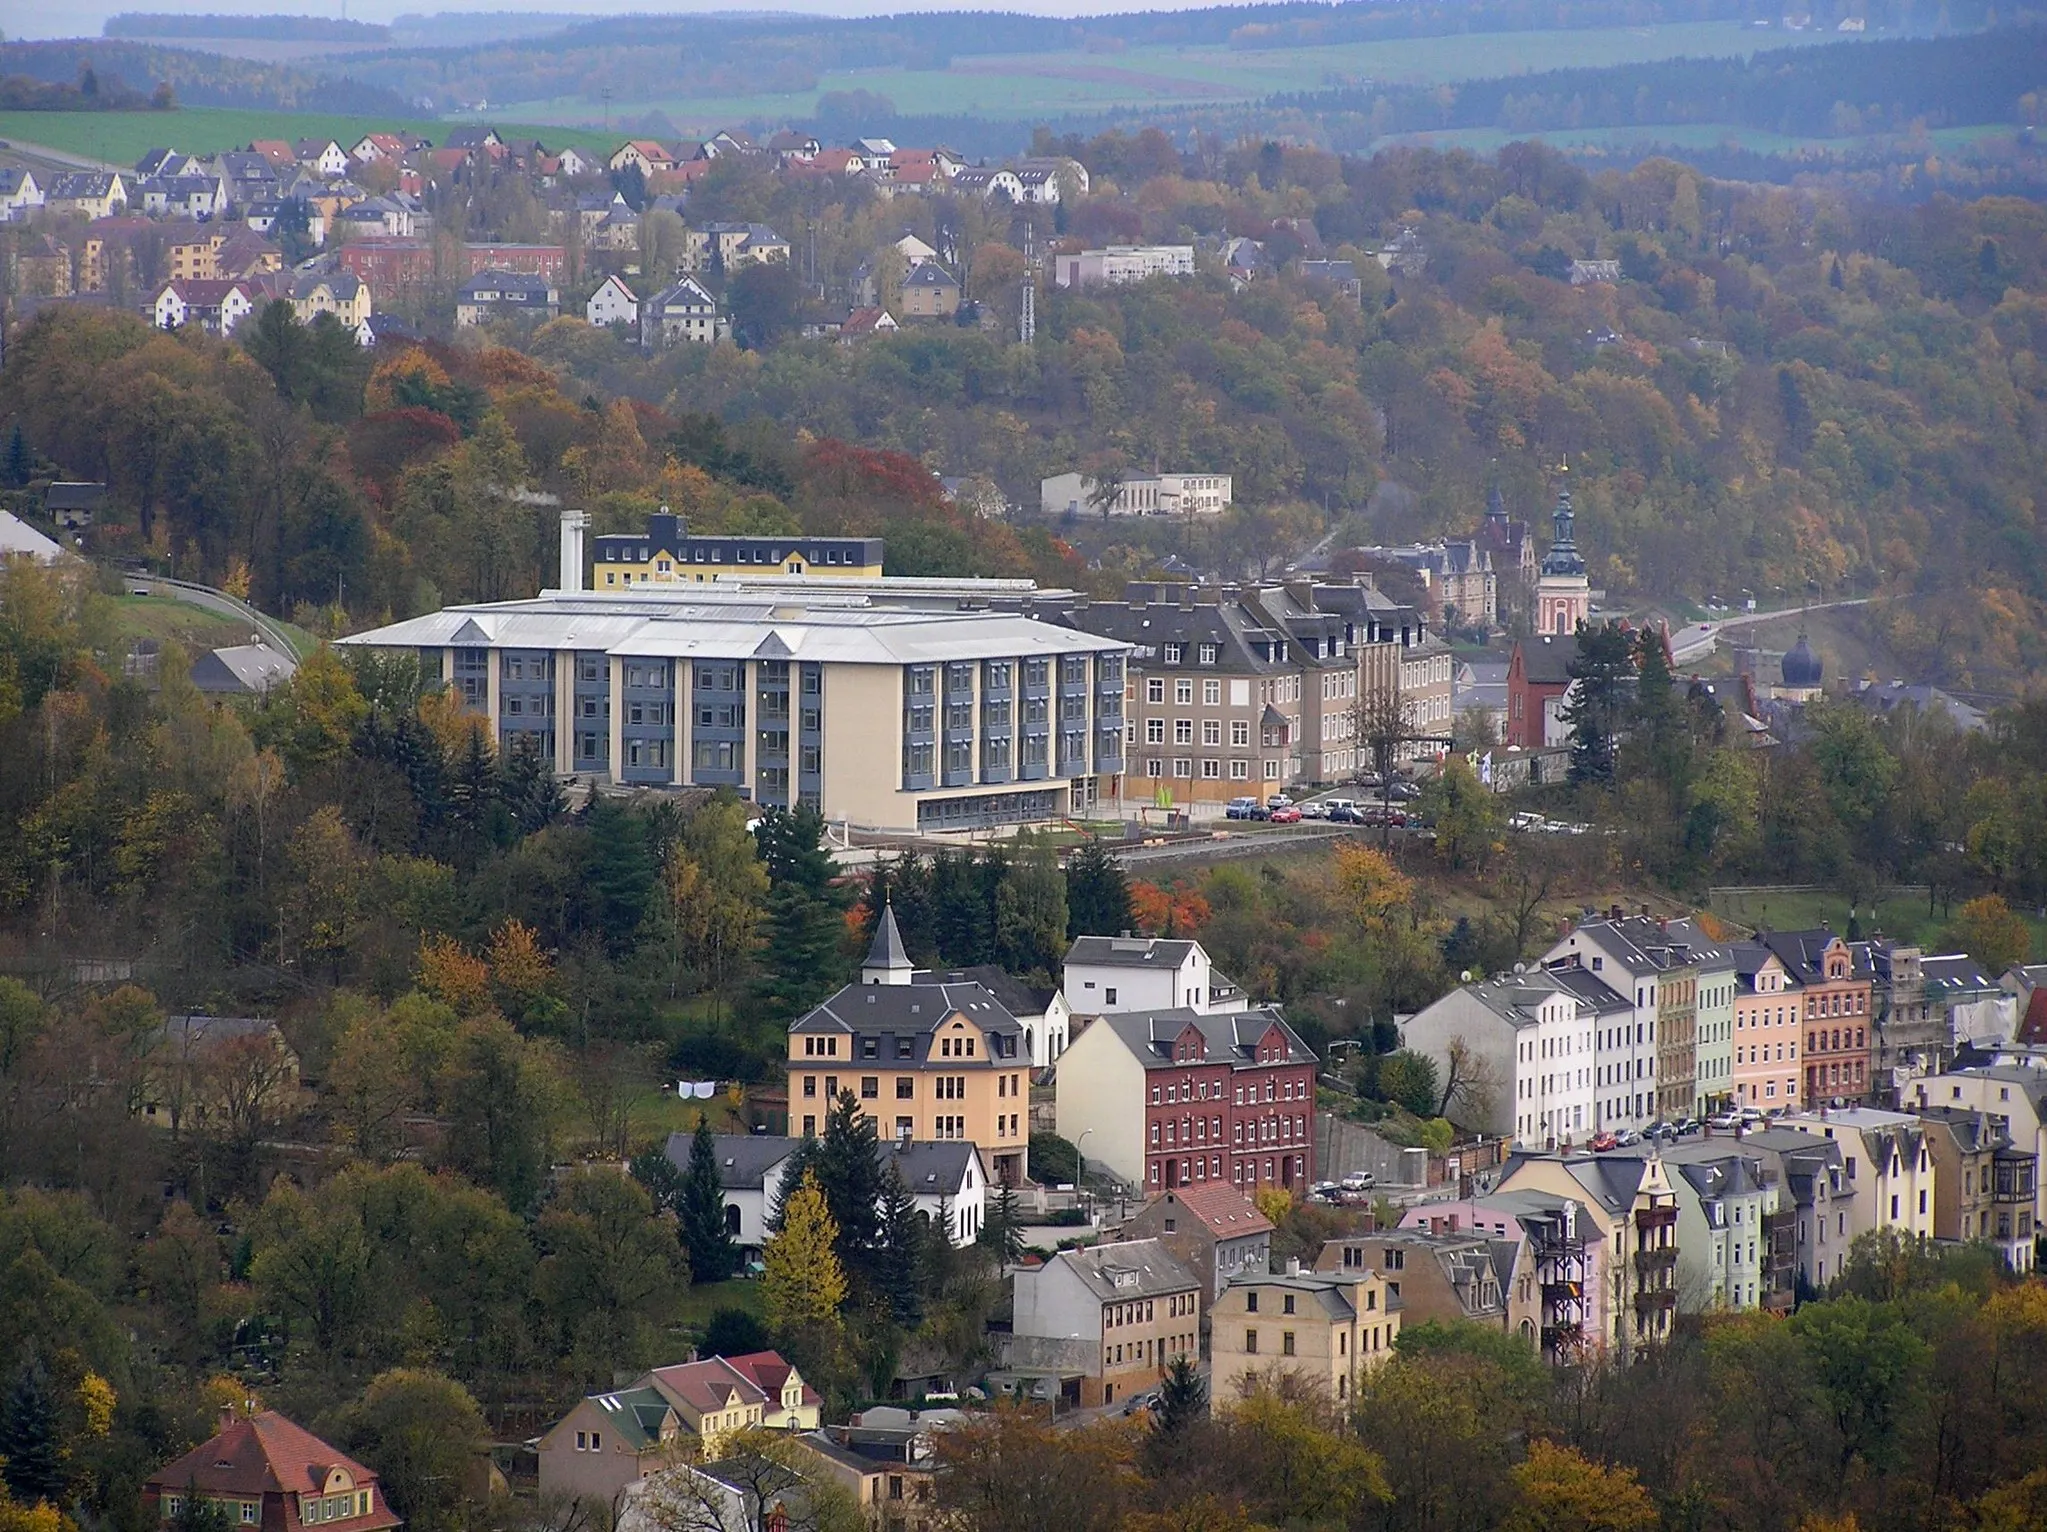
point(1293, 1266)
point(573, 525)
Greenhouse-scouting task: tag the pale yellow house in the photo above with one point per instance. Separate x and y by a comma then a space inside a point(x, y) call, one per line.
point(1326, 1329)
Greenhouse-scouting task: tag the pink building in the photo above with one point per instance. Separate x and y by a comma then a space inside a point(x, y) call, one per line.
point(1766, 1030)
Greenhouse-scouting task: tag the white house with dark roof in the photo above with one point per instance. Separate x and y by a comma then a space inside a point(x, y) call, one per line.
point(20, 193)
point(614, 303)
point(1105, 974)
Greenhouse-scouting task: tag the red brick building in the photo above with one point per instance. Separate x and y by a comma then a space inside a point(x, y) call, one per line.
point(385, 266)
point(550, 261)
point(269, 1474)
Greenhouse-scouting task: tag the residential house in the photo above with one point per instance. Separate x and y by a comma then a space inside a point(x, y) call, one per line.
point(323, 157)
point(1214, 1230)
point(1633, 1211)
point(276, 152)
point(887, 1459)
point(987, 184)
point(1322, 1329)
point(1117, 264)
point(614, 303)
point(751, 1172)
point(216, 307)
point(1886, 1164)
point(1814, 1206)
point(1044, 1012)
point(1538, 676)
point(1171, 1098)
point(202, 1069)
point(73, 503)
point(931, 1061)
point(683, 311)
point(474, 138)
point(791, 148)
point(1155, 494)
point(643, 154)
point(263, 1471)
point(388, 266)
point(550, 261)
point(1835, 1012)
point(1109, 1316)
point(1406, 253)
point(1984, 1187)
point(1104, 974)
point(1585, 273)
point(344, 296)
point(492, 295)
point(19, 540)
point(862, 322)
point(373, 218)
point(1038, 182)
point(2012, 1096)
point(1556, 1268)
point(1447, 1277)
point(930, 292)
point(1519, 1054)
point(20, 193)
point(732, 246)
point(1427, 694)
point(1724, 1210)
point(1342, 275)
point(241, 670)
point(1657, 968)
point(668, 1414)
point(1767, 1031)
point(90, 193)
point(375, 148)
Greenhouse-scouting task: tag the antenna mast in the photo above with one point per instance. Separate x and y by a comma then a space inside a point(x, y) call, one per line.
point(1027, 320)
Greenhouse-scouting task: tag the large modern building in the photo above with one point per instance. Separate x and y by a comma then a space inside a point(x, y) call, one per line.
point(896, 716)
point(668, 553)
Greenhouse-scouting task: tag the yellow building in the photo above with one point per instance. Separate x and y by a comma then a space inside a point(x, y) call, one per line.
point(1325, 1328)
point(927, 1058)
point(668, 554)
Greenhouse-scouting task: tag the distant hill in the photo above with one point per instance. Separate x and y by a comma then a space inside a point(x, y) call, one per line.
point(308, 29)
point(199, 79)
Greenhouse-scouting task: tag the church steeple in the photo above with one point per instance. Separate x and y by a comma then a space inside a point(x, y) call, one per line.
point(1496, 507)
point(887, 960)
point(1563, 594)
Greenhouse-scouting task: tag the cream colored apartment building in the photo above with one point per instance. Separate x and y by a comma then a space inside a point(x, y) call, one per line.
point(1325, 1329)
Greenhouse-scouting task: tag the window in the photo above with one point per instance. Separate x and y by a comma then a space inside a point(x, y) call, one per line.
point(1183, 731)
point(1155, 731)
point(870, 1087)
point(906, 1088)
point(1240, 771)
point(1173, 653)
point(1208, 656)
point(1251, 1343)
point(1155, 689)
point(1250, 1303)
point(249, 1512)
point(1211, 731)
point(1286, 1343)
point(1240, 732)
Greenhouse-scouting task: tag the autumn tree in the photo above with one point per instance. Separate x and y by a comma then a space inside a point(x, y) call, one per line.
point(1562, 1490)
point(804, 1283)
point(1991, 932)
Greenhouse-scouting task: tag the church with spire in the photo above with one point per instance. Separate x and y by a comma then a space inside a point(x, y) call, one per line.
point(1510, 544)
point(1563, 590)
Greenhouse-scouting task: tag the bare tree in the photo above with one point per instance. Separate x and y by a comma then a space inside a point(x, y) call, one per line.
point(1470, 1084)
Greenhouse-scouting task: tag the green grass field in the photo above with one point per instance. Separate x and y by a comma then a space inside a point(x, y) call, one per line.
point(1901, 917)
point(1038, 84)
point(122, 138)
point(1677, 135)
point(194, 627)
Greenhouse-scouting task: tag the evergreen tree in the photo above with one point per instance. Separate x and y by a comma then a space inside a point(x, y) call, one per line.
point(1097, 892)
point(198, 1513)
point(1602, 668)
point(31, 1451)
point(803, 1284)
point(791, 843)
point(19, 464)
point(903, 885)
point(1002, 1234)
point(899, 1262)
point(619, 873)
point(529, 791)
point(1183, 1397)
point(849, 1174)
point(802, 1165)
point(657, 1174)
point(473, 805)
point(799, 957)
point(962, 916)
point(1659, 720)
point(1030, 913)
point(700, 1205)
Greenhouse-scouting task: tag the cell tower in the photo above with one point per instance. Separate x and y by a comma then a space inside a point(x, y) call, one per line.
point(1027, 318)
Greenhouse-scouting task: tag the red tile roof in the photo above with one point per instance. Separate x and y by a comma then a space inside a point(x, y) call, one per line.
point(270, 1455)
point(707, 1385)
point(769, 1372)
point(1228, 1213)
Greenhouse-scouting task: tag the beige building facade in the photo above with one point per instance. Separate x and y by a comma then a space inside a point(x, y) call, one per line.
point(1324, 1329)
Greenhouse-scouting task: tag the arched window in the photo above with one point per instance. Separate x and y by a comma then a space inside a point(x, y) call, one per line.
point(732, 1219)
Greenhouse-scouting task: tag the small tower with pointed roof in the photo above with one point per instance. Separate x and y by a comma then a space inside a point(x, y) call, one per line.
point(887, 961)
point(1563, 594)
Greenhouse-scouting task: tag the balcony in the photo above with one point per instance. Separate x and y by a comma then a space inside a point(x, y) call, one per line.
point(1656, 1262)
point(1658, 1300)
point(1557, 1293)
point(1562, 1337)
point(1661, 1216)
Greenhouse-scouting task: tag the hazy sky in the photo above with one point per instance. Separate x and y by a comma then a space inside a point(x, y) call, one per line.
point(54, 18)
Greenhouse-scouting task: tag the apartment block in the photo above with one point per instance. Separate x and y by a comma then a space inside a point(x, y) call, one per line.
point(668, 553)
point(1324, 1330)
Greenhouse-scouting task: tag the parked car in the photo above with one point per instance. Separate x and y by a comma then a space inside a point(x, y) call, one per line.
point(1279, 801)
point(1724, 1122)
point(1285, 814)
point(1627, 1138)
point(1380, 814)
point(1346, 816)
point(1143, 1403)
point(1315, 809)
point(1360, 1181)
point(1601, 1142)
point(1333, 804)
point(1405, 790)
point(1244, 808)
point(1686, 1126)
point(1524, 821)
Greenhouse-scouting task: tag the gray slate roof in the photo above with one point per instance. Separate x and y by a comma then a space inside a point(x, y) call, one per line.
point(1132, 1268)
point(1128, 952)
point(1231, 1039)
point(909, 1010)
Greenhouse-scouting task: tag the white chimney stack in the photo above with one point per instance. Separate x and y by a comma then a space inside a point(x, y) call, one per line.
point(573, 525)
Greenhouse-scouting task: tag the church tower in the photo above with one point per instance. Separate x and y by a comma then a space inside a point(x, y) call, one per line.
point(1563, 593)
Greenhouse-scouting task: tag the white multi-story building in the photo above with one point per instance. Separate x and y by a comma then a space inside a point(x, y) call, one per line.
point(1627, 1070)
point(1154, 494)
point(1517, 1055)
point(1121, 263)
point(1110, 974)
point(878, 702)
